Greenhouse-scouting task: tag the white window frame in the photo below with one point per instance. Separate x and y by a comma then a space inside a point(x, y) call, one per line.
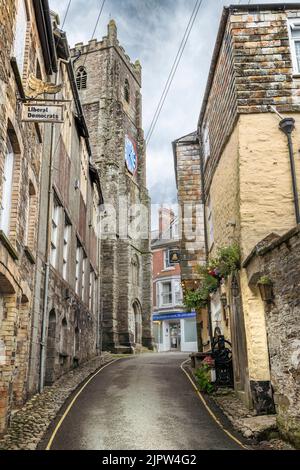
point(177, 292)
point(7, 188)
point(167, 264)
point(56, 212)
point(206, 141)
point(162, 293)
point(83, 276)
point(66, 248)
point(210, 222)
point(78, 270)
point(20, 35)
point(294, 25)
point(92, 290)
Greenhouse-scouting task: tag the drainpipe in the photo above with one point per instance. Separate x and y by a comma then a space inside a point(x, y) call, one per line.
point(287, 125)
point(205, 226)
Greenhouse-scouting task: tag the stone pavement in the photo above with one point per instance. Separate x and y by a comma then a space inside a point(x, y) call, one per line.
point(29, 424)
point(262, 429)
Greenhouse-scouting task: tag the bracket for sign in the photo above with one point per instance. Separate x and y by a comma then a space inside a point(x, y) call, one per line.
point(36, 100)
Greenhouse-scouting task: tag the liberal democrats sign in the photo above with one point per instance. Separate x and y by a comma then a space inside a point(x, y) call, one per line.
point(42, 112)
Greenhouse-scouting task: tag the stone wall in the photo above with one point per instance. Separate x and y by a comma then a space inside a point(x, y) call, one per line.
point(18, 245)
point(191, 226)
point(72, 316)
point(280, 261)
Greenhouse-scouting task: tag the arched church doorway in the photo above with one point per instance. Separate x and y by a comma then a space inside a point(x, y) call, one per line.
point(137, 322)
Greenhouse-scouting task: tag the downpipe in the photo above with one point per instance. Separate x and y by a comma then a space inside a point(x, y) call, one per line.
point(287, 125)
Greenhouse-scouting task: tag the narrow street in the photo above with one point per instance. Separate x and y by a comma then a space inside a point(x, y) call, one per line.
point(145, 402)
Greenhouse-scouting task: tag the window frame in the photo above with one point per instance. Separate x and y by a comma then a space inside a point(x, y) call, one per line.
point(55, 225)
point(81, 78)
point(162, 293)
point(7, 188)
point(20, 56)
point(294, 24)
point(206, 142)
point(66, 248)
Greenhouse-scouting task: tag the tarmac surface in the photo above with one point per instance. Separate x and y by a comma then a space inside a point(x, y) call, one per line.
point(145, 402)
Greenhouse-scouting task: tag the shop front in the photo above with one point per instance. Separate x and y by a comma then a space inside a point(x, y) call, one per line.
point(175, 331)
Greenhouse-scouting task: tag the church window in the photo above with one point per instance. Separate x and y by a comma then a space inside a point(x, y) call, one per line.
point(81, 78)
point(127, 91)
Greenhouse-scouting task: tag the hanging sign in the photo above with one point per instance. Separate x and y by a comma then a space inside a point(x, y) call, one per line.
point(42, 112)
point(174, 256)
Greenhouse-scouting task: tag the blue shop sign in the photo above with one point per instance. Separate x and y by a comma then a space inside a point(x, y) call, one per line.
point(173, 316)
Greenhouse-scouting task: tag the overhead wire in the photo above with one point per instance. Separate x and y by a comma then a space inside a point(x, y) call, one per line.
point(174, 68)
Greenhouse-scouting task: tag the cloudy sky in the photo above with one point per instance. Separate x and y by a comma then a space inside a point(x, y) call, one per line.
point(152, 30)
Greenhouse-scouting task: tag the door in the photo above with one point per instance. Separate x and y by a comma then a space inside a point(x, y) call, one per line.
point(175, 336)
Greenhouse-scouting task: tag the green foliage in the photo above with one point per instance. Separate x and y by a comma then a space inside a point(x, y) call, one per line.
point(198, 298)
point(226, 262)
point(264, 280)
point(203, 379)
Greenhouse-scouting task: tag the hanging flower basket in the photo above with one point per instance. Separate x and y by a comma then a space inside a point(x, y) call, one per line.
point(265, 286)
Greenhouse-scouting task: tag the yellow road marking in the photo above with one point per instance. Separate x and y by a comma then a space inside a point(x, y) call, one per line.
point(209, 410)
point(72, 403)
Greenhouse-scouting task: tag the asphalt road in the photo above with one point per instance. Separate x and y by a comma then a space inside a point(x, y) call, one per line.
point(146, 403)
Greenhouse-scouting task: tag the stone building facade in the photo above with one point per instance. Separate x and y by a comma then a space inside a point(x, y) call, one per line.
point(278, 258)
point(246, 165)
point(65, 313)
point(26, 47)
point(186, 154)
point(109, 87)
point(174, 327)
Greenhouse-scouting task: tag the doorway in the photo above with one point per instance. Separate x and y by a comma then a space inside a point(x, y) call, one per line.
point(175, 336)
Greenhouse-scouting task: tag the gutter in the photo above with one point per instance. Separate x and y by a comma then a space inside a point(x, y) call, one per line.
point(43, 21)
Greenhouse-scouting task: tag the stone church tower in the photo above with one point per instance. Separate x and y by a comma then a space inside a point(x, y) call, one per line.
point(109, 87)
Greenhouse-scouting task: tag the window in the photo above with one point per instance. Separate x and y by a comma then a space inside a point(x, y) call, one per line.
point(66, 248)
point(127, 91)
point(206, 143)
point(166, 293)
point(5, 209)
point(79, 256)
point(190, 330)
point(294, 34)
point(83, 172)
point(178, 293)
point(83, 276)
point(54, 233)
point(210, 222)
point(166, 259)
point(20, 35)
point(92, 290)
point(81, 78)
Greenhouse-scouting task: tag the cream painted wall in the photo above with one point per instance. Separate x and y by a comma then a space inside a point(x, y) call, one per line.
point(266, 197)
point(251, 196)
point(224, 196)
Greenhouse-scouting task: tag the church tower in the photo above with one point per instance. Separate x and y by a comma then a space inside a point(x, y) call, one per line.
point(110, 91)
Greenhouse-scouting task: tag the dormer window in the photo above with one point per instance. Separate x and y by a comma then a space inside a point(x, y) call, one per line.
point(127, 91)
point(81, 78)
